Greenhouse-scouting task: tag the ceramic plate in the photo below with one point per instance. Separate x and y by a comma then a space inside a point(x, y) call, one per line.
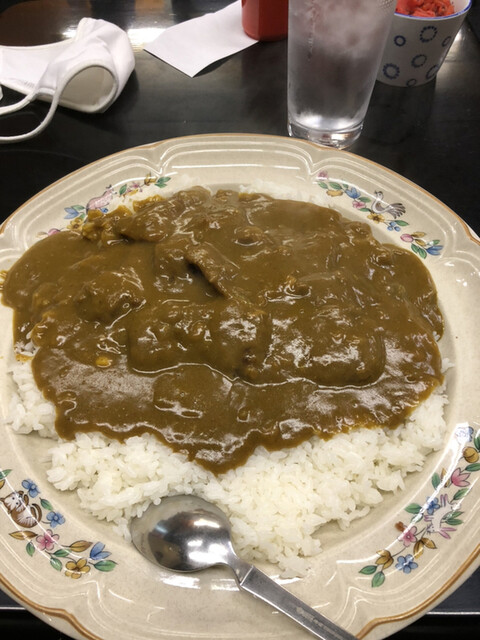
point(113, 593)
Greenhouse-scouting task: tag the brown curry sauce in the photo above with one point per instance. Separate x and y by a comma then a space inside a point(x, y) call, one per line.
point(223, 322)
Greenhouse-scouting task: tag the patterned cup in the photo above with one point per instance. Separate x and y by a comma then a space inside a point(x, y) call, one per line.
point(417, 47)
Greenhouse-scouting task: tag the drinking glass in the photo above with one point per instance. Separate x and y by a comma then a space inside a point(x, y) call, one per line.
point(334, 51)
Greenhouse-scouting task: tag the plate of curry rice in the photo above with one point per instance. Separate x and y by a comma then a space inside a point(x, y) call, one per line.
point(280, 328)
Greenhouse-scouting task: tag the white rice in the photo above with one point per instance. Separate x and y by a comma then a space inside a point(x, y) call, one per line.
point(276, 501)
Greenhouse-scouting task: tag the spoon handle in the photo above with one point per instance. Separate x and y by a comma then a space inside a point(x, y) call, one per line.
point(257, 583)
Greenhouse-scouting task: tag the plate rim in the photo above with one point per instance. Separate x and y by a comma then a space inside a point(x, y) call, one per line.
point(151, 145)
point(467, 566)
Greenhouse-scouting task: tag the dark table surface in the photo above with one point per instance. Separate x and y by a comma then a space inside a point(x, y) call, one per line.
point(429, 134)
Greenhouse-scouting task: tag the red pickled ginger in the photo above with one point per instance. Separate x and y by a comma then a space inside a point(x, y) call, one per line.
point(425, 8)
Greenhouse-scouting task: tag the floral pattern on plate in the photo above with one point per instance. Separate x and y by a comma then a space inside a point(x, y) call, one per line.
point(380, 212)
point(110, 199)
point(438, 516)
point(36, 523)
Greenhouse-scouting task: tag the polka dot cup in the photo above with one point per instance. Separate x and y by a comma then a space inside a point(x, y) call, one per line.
point(416, 47)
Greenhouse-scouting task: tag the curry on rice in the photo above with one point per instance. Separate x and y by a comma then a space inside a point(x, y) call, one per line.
point(220, 322)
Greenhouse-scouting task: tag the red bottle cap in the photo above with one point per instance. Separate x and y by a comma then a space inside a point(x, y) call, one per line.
point(265, 19)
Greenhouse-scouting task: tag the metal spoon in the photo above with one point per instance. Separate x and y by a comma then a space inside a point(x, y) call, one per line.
point(186, 533)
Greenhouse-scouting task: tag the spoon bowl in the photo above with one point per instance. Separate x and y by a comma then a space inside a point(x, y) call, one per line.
point(185, 533)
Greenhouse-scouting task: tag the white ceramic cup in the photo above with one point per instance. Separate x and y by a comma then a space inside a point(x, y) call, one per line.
point(416, 47)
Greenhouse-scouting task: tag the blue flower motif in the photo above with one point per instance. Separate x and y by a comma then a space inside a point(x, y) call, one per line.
point(393, 226)
point(353, 192)
point(434, 249)
point(71, 213)
point(464, 434)
point(432, 506)
point(55, 518)
point(406, 563)
point(31, 487)
point(97, 552)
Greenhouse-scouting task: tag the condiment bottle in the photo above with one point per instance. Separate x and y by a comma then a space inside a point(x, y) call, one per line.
point(265, 19)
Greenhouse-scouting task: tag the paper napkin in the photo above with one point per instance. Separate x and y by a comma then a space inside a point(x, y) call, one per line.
point(192, 45)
